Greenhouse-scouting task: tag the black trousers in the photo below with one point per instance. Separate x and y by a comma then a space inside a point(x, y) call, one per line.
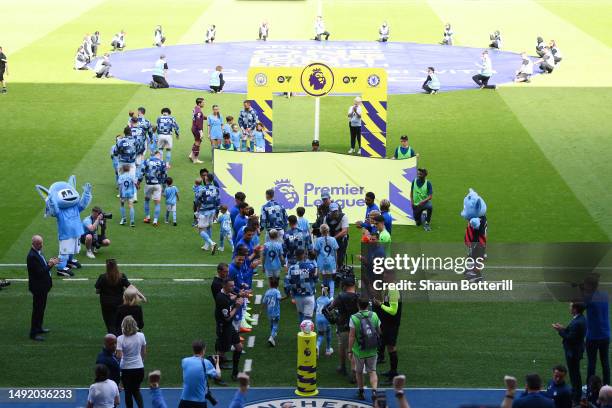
point(418, 210)
point(427, 89)
point(341, 253)
point(355, 135)
point(109, 314)
point(603, 348)
point(324, 33)
point(160, 81)
point(573, 367)
point(131, 379)
point(483, 81)
point(546, 68)
point(39, 303)
point(191, 404)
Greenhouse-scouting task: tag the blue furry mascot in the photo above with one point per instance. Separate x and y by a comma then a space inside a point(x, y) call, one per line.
point(475, 212)
point(63, 202)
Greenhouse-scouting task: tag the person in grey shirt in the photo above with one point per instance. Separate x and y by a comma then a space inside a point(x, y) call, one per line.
point(354, 117)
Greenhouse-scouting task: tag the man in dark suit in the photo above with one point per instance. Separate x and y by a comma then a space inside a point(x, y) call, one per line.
point(39, 283)
point(573, 345)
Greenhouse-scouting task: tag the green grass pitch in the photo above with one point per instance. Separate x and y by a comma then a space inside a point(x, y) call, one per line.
point(538, 154)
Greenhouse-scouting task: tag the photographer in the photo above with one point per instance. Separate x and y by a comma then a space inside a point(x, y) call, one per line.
point(94, 227)
point(346, 303)
point(196, 371)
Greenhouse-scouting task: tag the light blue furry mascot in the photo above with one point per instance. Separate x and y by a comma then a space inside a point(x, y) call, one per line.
point(63, 202)
point(475, 212)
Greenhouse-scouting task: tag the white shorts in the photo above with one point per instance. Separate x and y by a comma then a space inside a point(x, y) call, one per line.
point(153, 191)
point(206, 220)
point(171, 207)
point(164, 142)
point(260, 149)
point(132, 171)
point(70, 246)
point(305, 305)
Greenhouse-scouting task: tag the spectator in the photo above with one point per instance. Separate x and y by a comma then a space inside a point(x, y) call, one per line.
point(196, 371)
point(39, 284)
point(110, 286)
point(160, 71)
point(398, 386)
point(103, 393)
point(216, 80)
point(421, 194)
point(131, 350)
point(80, 60)
point(432, 83)
point(320, 29)
point(523, 74)
point(364, 336)
point(322, 211)
point(346, 303)
point(555, 52)
point(598, 327)
point(547, 62)
point(102, 68)
point(355, 112)
point(605, 397)
point(533, 397)
point(131, 307)
point(558, 390)
point(94, 236)
point(107, 358)
point(240, 395)
point(573, 345)
point(157, 398)
point(338, 228)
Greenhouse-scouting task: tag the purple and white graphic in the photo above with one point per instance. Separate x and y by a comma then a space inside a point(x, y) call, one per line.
point(406, 63)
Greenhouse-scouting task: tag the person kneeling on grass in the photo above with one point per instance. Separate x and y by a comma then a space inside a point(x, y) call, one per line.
point(102, 68)
point(432, 83)
point(547, 62)
point(80, 60)
point(216, 80)
point(523, 74)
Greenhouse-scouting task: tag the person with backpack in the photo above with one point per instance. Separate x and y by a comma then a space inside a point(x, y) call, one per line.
point(344, 305)
point(364, 338)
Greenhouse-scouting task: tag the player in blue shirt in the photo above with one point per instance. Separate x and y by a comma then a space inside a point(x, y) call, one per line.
point(225, 228)
point(166, 124)
point(303, 223)
point(127, 188)
point(125, 150)
point(172, 198)
point(153, 172)
point(153, 141)
point(236, 138)
point(273, 258)
point(208, 201)
point(370, 204)
point(247, 240)
point(140, 138)
point(273, 215)
point(272, 299)
point(294, 240)
point(240, 220)
point(326, 248)
point(114, 158)
point(258, 139)
point(385, 211)
point(300, 284)
point(145, 124)
point(239, 197)
point(323, 326)
point(196, 371)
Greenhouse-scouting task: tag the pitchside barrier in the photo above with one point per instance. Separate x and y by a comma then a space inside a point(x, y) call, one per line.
point(318, 80)
point(299, 179)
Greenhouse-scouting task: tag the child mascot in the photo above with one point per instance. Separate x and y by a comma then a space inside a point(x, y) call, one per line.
point(63, 202)
point(475, 212)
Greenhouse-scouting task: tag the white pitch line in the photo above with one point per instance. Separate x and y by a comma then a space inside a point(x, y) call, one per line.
point(255, 321)
point(251, 341)
point(188, 280)
point(128, 265)
point(259, 283)
point(248, 365)
point(257, 299)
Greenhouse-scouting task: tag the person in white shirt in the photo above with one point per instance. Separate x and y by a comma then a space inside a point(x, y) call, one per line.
point(555, 52)
point(102, 68)
point(264, 30)
point(320, 29)
point(523, 74)
point(547, 62)
point(354, 117)
point(383, 32)
point(485, 72)
point(211, 33)
point(540, 44)
point(95, 43)
point(80, 60)
point(158, 36)
point(131, 350)
point(103, 393)
point(496, 40)
point(87, 47)
point(118, 42)
point(447, 38)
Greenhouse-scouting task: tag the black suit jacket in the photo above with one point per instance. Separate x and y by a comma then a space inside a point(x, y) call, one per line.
point(39, 278)
point(573, 337)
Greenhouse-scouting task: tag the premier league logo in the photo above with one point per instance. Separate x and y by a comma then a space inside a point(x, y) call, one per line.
point(317, 79)
point(285, 194)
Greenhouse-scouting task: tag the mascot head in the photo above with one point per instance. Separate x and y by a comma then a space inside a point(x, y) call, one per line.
point(60, 195)
point(317, 79)
point(285, 194)
point(473, 206)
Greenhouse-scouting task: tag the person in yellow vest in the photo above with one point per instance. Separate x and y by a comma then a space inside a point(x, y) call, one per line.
point(227, 144)
point(420, 196)
point(404, 150)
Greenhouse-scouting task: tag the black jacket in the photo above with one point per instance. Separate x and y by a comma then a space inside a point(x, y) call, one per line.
point(39, 277)
point(573, 337)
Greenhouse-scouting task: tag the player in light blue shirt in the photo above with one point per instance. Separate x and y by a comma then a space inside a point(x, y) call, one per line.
point(236, 137)
point(126, 183)
point(172, 197)
point(300, 284)
point(323, 328)
point(258, 139)
point(272, 299)
point(303, 224)
point(326, 248)
point(115, 158)
point(196, 371)
point(273, 258)
point(225, 228)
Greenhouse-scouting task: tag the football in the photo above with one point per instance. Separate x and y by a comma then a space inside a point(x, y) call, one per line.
point(306, 326)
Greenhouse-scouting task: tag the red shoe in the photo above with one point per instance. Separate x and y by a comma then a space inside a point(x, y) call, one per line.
point(245, 330)
point(146, 220)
